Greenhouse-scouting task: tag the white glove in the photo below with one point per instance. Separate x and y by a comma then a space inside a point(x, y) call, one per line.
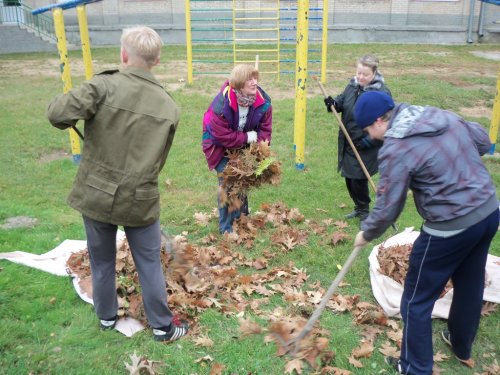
point(251, 136)
point(360, 241)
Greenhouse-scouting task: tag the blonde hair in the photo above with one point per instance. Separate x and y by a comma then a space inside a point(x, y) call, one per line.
point(371, 61)
point(242, 73)
point(142, 43)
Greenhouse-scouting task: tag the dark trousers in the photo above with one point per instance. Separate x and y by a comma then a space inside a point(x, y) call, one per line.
point(145, 246)
point(359, 193)
point(433, 261)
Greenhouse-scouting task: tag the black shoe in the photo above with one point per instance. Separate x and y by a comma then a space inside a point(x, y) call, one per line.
point(445, 334)
point(352, 215)
point(106, 325)
point(395, 363)
point(177, 330)
point(363, 214)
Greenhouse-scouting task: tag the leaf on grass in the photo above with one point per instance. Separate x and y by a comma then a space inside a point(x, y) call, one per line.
point(365, 350)
point(355, 362)
point(338, 237)
point(259, 263)
point(396, 336)
point(334, 371)
point(389, 351)
point(247, 327)
point(217, 369)
point(488, 308)
point(436, 370)
point(139, 364)
point(341, 224)
point(206, 358)
point(440, 357)
point(493, 369)
point(294, 366)
point(204, 341)
point(201, 218)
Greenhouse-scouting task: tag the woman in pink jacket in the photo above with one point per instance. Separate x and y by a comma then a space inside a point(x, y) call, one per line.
point(240, 114)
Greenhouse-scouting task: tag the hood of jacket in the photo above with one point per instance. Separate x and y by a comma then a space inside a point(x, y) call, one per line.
point(376, 84)
point(411, 120)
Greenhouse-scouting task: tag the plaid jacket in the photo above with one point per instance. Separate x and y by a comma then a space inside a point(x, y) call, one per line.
point(437, 155)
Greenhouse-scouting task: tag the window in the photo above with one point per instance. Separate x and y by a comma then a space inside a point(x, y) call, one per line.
point(11, 3)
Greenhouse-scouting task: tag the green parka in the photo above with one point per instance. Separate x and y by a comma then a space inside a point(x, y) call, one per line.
point(130, 122)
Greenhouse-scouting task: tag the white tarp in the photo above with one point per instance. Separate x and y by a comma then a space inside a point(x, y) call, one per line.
point(388, 292)
point(54, 262)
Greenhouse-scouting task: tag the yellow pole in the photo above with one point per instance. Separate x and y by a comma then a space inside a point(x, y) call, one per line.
point(279, 40)
point(324, 41)
point(495, 117)
point(189, 45)
point(234, 32)
point(85, 40)
point(301, 81)
point(65, 74)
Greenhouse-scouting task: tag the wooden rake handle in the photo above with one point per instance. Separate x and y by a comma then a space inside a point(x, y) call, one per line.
point(316, 314)
point(348, 137)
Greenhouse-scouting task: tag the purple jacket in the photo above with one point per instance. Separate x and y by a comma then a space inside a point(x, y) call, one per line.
point(437, 155)
point(220, 124)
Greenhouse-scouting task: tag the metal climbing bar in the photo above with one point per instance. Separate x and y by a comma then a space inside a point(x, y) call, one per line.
point(251, 32)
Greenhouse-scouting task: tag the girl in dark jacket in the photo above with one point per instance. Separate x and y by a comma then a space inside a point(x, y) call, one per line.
point(367, 78)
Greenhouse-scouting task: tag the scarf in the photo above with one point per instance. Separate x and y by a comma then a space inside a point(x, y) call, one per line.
point(244, 100)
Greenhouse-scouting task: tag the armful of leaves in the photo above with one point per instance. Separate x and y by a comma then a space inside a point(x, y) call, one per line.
point(248, 169)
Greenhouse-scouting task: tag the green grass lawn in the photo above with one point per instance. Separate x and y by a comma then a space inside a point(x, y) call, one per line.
point(46, 329)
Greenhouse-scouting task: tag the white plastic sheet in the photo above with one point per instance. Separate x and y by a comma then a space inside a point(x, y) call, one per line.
point(388, 292)
point(54, 262)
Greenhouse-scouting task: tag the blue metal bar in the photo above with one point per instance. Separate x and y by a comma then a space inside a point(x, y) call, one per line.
point(64, 5)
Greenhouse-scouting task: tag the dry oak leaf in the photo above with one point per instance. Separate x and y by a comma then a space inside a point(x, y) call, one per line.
point(493, 369)
point(206, 358)
point(355, 362)
point(365, 350)
point(334, 371)
point(436, 370)
point(217, 369)
point(138, 364)
point(488, 308)
point(204, 341)
point(396, 336)
point(259, 263)
point(440, 357)
point(201, 218)
point(341, 224)
point(295, 365)
point(389, 351)
point(247, 327)
point(314, 297)
point(327, 222)
point(288, 242)
point(338, 237)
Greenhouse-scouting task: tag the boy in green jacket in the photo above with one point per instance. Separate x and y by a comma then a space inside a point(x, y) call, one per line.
point(130, 122)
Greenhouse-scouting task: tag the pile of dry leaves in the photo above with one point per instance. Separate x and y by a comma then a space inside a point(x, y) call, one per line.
point(210, 274)
point(394, 261)
point(246, 169)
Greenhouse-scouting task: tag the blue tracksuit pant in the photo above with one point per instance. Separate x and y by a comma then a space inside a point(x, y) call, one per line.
point(433, 261)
